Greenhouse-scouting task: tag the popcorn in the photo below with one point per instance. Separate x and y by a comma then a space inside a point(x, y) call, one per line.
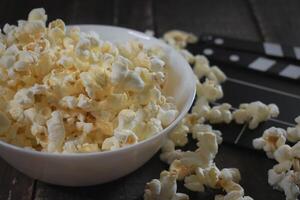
point(203, 69)
point(56, 132)
point(287, 182)
point(164, 188)
point(293, 133)
point(209, 90)
point(71, 91)
point(198, 129)
point(187, 55)
point(179, 39)
point(272, 139)
point(157, 65)
point(111, 143)
point(255, 113)
point(38, 14)
point(69, 102)
point(169, 154)
point(179, 134)
point(219, 114)
point(167, 116)
point(133, 82)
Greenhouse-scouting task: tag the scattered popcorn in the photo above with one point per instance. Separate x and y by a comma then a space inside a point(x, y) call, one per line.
point(179, 135)
point(187, 55)
point(285, 175)
point(168, 152)
point(164, 188)
point(286, 182)
point(198, 129)
point(293, 133)
point(272, 139)
point(67, 91)
point(179, 39)
point(203, 69)
point(209, 90)
point(219, 114)
point(254, 113)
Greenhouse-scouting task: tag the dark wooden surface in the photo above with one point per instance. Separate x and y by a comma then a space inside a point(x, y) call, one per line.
point(257, 20)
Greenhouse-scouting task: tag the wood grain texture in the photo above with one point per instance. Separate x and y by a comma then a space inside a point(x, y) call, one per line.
point(134, 14)
point(71, 11)
point(13, 184)
point(130, 187)
point(278, 20)
point(228, 18)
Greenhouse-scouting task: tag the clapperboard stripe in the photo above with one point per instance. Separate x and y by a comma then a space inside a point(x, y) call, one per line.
point(266, 48)
point(249, 60)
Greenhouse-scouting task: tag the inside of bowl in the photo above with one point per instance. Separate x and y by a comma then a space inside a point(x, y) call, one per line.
point(180, 83)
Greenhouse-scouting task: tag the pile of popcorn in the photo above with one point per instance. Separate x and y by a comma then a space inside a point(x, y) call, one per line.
point(284, 176)
point(197, 168)
point(62, 90)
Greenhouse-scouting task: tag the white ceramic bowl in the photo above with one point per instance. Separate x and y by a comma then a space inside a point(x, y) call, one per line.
point(94, 168)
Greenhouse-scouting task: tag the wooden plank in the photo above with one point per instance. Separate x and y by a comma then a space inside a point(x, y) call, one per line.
point(134, 14)
point(71, 11)
point(278, 20)
point(228, 18)
point(13, 184)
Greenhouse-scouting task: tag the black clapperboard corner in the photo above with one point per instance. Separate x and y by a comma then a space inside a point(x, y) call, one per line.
point(267, 72)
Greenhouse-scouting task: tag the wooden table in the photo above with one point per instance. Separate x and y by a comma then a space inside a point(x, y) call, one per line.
point(257, 20)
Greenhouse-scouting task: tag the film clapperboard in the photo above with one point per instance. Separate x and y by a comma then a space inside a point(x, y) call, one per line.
point(267, 72)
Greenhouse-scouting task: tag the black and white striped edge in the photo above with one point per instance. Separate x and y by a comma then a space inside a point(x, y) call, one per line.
point(251, 61)
point(266, 48)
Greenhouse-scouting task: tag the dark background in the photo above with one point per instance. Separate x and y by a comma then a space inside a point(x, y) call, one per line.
point(256, 20)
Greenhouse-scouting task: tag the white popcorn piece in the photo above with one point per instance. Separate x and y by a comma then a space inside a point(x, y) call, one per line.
point(56, 132)
point(167, 116)
point(201, 67)
point(271, 140)
point(219, 114)
point(125, 137)
point(255, 113)
point(84, 102)
point(286, 182)
point(157, 65)
point(283, 153)
point(219, 74)
point(201, 108)
point(168, 152)
point(38, 14)
point(179, 135)
point(189, 57)
point(179, 39)
point(24, 97)
point(68, 102)
point(119, 71)
point(293, 133)
point(209, 90)
point(164, 188)
point(111, 143)
point(133, 82)
point(202, 157)
point(198, 129)
point(84, 127)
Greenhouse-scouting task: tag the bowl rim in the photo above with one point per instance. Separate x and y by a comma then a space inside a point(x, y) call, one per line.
point(183, 112)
